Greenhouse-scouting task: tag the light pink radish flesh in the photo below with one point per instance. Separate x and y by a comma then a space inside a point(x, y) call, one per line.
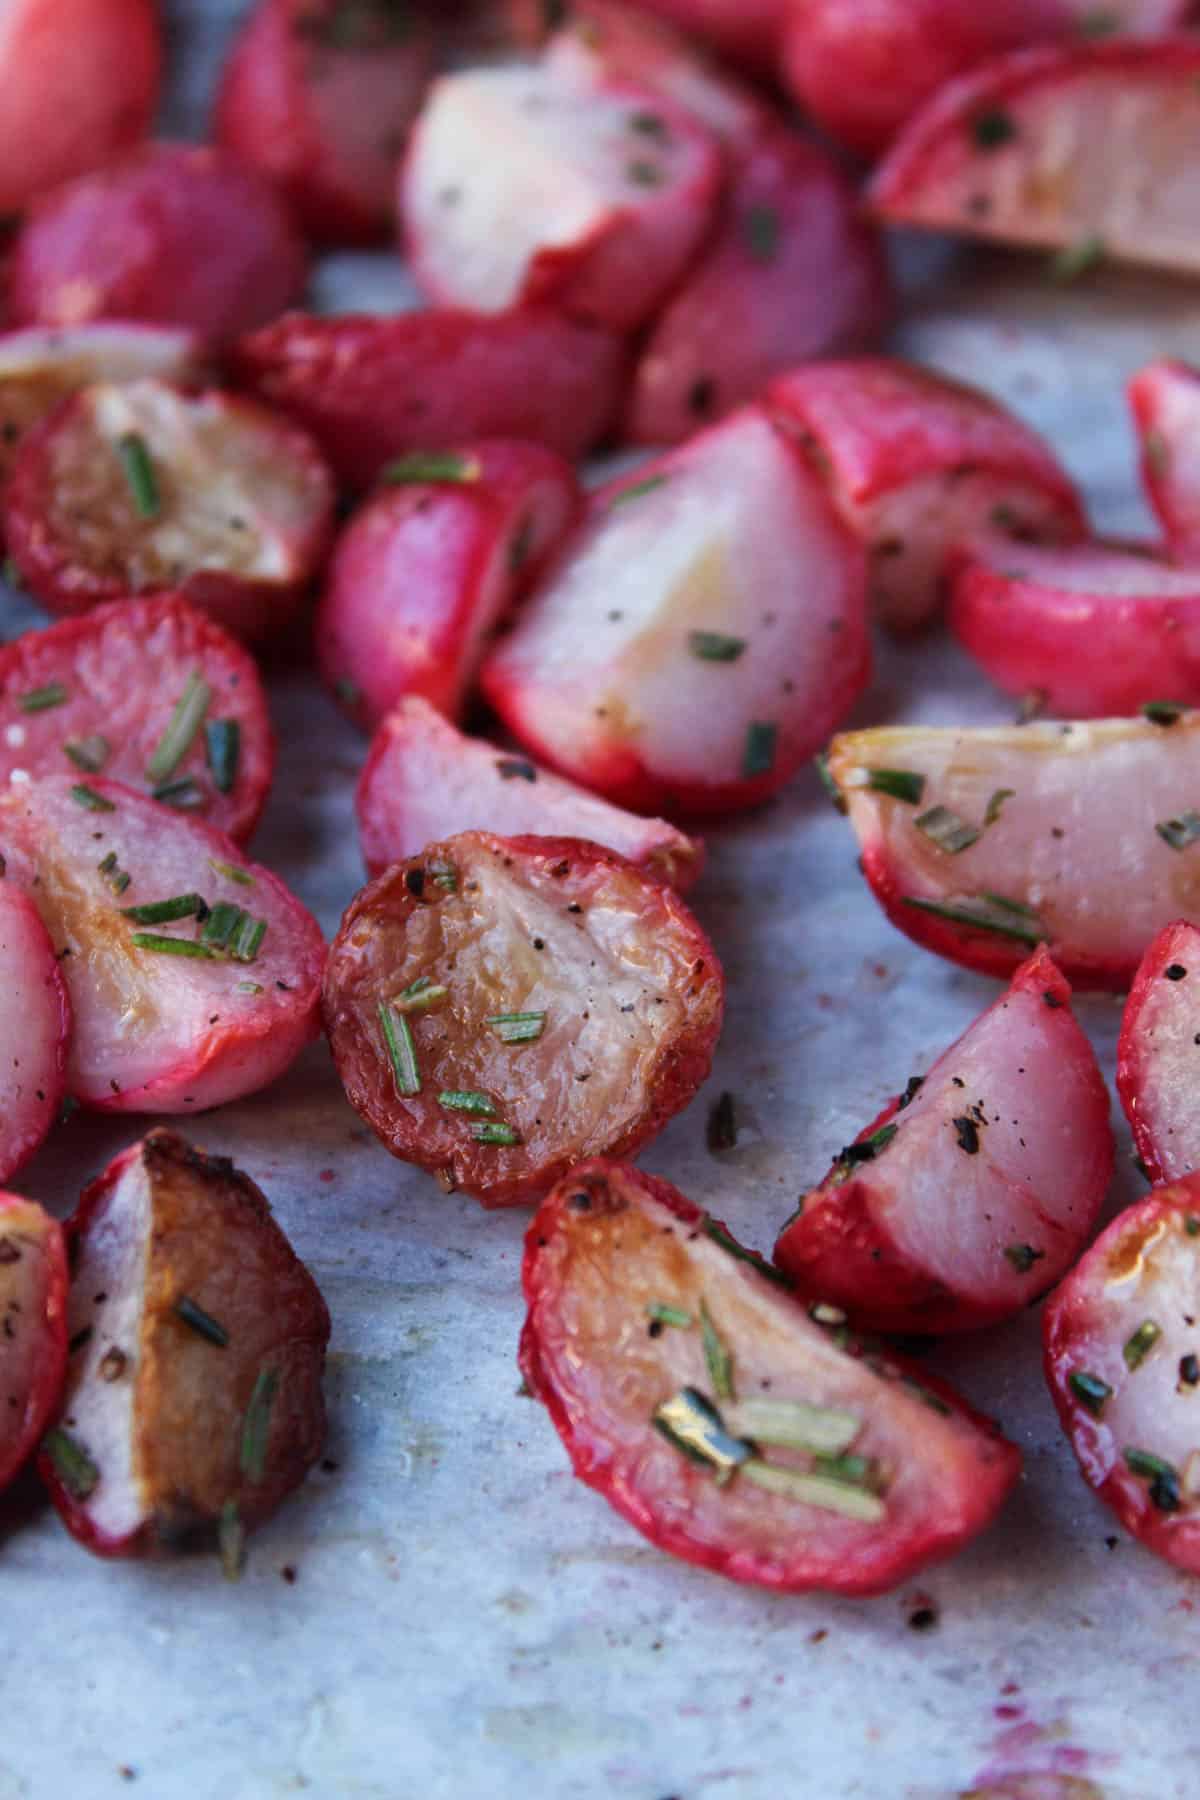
point(34, 1031)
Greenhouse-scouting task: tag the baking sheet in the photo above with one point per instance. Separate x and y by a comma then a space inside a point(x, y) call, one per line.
point(443, 1611)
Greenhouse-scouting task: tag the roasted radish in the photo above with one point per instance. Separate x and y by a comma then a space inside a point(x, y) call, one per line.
point(430, 565)
point(1165, 397)
point(193, 975)
point(424, 780)
point(701, 633)
point(1160, 1036)
point(34, 1035)
point(499, 1008)
point(33, 1327)
point(917, 463)
point(975, 1192)
point(193, 1404)
point(1122, 1344)
point(745, 30)
point(728, 1423)
point(143, 489)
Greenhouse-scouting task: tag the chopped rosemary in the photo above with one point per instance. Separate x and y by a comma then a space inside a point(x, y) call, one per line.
point(249, 987)
point(467, 1100)
point(201, 1322)
point(992, 128)
point(171, 946)
point(1162, 1476)
point(1181, 832)
point(420, 995)
point(1090, 1391)
point(1023, 1256)
point(89, 754)
point(184, 723)
point(762, 739)
point(898, 784)
point(518, 1028)
point(185, 794)
point(402, 1051)
point(855, 1471)
point(828, 1495)
point(72, 1464)
point(716, 1357)
point(164, 912)
point(947, 830)
point(247, 939)
point(445, 878)
point(231, 872)
point(868, 1148)
point(995, 805)
point(496, 1134)
point(87, 796)
point(721, 1133)
point(719, 1235)
point(1163, 712)
point(118, 879)
point(431, 465)
point(660, 1314)
point(760, 229)
point(515, 768)
point(794, 1425)
point(714, 646)
point(981, 915)
point(44, 698)
point(821, 764)
point(1192, 1225)
point(637, 490)
point(222, 749)
point(1077, 259)
point(231, 1541)
point(693, 1425)
point(139, 472)
point(1139, 1346)
point(256, 1425)
point(221, 923)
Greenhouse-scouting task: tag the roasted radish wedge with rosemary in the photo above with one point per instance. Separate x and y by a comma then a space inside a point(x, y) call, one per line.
point(983, 843)
point(916, 463)
point(35, 1031)
point(151, 693)
point(194, 975)
point(1165, 398)
point(974, 1193)
point(700, 634)
point(499, 1008)
point(142, 488)
point(33, 1327)
point(1160, 1035)
point(731, 1424)
point(193, 1404)
point(424, 780)
point(1122, 1338)
point(428, 567)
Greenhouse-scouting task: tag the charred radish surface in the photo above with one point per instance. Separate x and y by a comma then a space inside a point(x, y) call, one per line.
point(35, 1030)
point(33, 1327)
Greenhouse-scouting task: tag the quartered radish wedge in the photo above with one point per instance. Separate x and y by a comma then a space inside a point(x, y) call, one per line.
point(722, 1419)
point(701, 633)
point(1159, 1054)
point(427, 568)
point(981, 844)
point(974, 1193)
point(1122, 1337)
point(1165, 397)
point(917, 463)
point(193, 1403)
point(35, 1031)
point(142, 489)
point(151, 693)
point(1086, 150)
point(1095, 629)
point(33, 1327)
point(194, 975)
point(423, 779)
point(499, 1008)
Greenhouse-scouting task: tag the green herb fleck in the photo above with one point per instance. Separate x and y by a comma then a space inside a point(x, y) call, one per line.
point(184, 794)
point(162, 945)
point(1139, 1346)
point(515, 768)
point(719, 1235)
point(184, 723)
point(139, 472)
point(247, 940)
point(467, 1100)
point(1090, 1391)
point(72, 1464)
point(231, 1541)
point(987, 913)
point(430, 466)
point(794, 1425)
point(660, 1314)
point(1163, 712)
point(222, 749)
point(1074, 260)
point(717, 1358)
point(816, 1490)
point(88, 797)
point(1023, 1256)
point(821, 764)
point(868, 1148)
point(992, 128)
point(714, 646)
point(761, 742)
point(637, 490)
point(1192, 1225)
point(164, 912)
point(256, 1425)
point(1162, 1476)
point(760, 231)
point(1180, 833)
point(419, 996)
point(89, 754)
point(402, 1051)
point(518, 1028)
point(44, 698)
point(897, 784)
point(496, 1134)
point(201, 1322)
point(947, 830)
point(117, 878)
point(231, 872)
point(995, 805)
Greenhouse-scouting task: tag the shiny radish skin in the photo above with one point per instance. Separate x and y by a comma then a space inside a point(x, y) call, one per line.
point(714, 583)
point(1160, 1035)
point(985, 1185)
point(917, 463)
point(173, 234)
point(324, 116)
point(1098, 629)
point(1120, 1361)
point(210, 1028)
point(1165, 400)
point(98, 694)
point(1040, 148)
point(237, 516)
point(566, 1002)
point(423, 779)
point(425, 572)
point(193, 1395)
point(35, 1034)
point(372, 389)
point(1067, 849)
point(33, 1346)
point(636, 1298)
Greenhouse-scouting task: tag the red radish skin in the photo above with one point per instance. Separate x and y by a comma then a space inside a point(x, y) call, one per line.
point(159, 1032)
point(241, 518)
point(79, 81)
point(714, 583)
point(1160, 1035)
point(108, 684)
point(918, 463)
point(174, 234)
point(427, 569)
point(1120, 1357)
point(35, 1033)
point(609, 1245)
point(423, 779)
point(371, 389)
point(1076, 150)
point(1165, 398)
point(33, 1345)
point(621, 990)
point(987, 1189)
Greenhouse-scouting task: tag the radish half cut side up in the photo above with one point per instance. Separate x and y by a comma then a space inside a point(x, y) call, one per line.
point(33, 1336)
point(730, 1424)
point(1159, 1051)
point(1165, 398)
point(35, 1031)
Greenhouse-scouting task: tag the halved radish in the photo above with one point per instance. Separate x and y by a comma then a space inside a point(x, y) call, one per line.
point(700, 635)
point(144, 489)
point(1122, 1338)
point(194, 981)
point(916, 464)
point(981, 844)
point(318, 95)
point(424, 780)
point(370, 389)
point(1095, 629)
point(426, 570)
point(747, 31)
point(193, 1401)
point(974, 1193)
point(1165, 397)
point(718, 1416)
point(1085, 150)
point(35, 1031)
point(1159, 1054)
point(500, 1007)
point(148, 692)
point(520, 186)
point(33, 1327)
